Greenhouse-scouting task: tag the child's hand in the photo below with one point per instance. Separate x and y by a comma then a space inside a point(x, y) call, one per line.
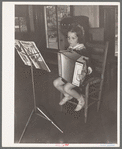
point(80, 46)
point(89, 70)
point(82, 75)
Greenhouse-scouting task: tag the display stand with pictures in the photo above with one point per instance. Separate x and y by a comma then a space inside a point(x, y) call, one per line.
point(31, 56)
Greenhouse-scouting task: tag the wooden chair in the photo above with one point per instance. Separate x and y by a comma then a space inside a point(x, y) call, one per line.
point(93, 86)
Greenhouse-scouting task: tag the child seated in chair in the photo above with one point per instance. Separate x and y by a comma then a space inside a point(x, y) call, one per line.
point(75, 38)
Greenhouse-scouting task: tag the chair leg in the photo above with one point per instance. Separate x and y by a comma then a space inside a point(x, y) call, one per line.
point(99, 98)
point(61, 96)
point(86, 102)
point(98, 104)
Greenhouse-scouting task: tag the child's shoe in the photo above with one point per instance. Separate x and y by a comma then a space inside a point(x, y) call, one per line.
point(80, 105)
point(65, 99)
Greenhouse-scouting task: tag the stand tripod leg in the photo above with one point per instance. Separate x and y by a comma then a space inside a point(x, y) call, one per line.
point(33, 86)
point(49, 120)
point(26, 125)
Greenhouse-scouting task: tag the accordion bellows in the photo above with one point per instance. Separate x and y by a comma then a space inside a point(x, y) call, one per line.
point(70, 65)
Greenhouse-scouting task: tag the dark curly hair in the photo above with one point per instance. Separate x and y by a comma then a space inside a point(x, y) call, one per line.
point(79, 30)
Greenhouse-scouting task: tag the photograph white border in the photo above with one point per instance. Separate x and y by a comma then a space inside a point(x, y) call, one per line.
point(8, 63)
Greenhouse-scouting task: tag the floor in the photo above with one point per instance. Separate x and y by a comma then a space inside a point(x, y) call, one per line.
point(101, 127)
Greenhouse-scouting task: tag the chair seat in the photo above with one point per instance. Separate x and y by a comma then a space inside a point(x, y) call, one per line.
point(92, 80)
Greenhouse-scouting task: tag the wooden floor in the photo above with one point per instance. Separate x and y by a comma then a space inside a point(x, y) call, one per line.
point(101, 126)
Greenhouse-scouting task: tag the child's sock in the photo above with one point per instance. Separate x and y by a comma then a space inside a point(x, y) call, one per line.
point(65, 99)
point(81, 103)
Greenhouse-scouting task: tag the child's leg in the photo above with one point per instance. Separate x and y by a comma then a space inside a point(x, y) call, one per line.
point(59, 84)
point(69, 88)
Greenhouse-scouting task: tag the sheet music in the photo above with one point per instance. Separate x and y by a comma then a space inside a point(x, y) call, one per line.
point(22, 53)
point(28, 49)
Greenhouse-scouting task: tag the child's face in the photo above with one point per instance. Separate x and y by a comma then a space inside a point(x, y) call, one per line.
point(72, 39)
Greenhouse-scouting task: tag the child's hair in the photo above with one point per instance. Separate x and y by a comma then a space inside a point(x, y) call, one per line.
point(79, 30)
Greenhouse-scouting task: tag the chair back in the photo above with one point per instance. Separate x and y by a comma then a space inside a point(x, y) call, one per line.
point(96, 34)
point(98, 53)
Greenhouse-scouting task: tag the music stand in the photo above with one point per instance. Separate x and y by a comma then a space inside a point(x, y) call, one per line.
point(31, 56)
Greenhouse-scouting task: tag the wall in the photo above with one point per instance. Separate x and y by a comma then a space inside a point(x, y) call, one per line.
point(90, 11)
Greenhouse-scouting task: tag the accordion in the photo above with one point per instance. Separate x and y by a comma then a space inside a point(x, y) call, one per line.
point(71, 65)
